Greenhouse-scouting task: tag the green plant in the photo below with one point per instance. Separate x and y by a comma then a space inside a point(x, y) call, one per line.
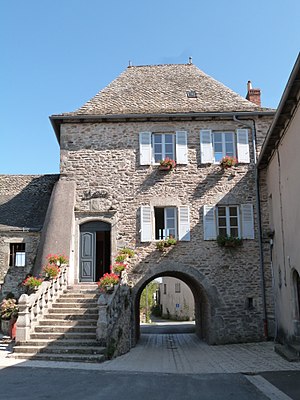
point(228, 162)
point(9, 309)
point(32, 282)
point(167, 164)
point(118, 267)
point(51, 271)
point(229, 241)
point(108, 280)
point(120, 258)
point(162, 244)
point(57, 259)
point(128, 252)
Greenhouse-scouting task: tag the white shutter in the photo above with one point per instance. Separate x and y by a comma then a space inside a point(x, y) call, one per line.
point(184, 224)
point(146, 224)
point(243, 153)
point(181, 147)
point(145, 148)
point(209, 222)
point(247, 221)
point(206, 148)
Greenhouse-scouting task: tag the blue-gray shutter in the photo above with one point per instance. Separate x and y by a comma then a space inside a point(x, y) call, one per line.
point(146, 224)
point(184, 223)
point(243, 152)
point(181, 147)
point(209, 222)
point(145, 148)
point(247, 221)
point(206, 148)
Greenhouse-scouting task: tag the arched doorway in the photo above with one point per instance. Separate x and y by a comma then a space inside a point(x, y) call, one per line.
point(95, 249)
point(202, 305)
point(296, 279)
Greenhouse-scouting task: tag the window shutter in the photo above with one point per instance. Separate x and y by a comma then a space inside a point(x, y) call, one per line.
point(184, 224)
point(209, 221)
point(181, 147)
point(145, 148)
point(243, 153)
point(206, 148)
point(247, 221)
point(146, 224)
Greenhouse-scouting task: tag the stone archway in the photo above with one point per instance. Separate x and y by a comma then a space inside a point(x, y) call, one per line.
point(204, 296)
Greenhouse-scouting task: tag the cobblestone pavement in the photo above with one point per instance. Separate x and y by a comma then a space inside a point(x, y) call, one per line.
point(176, 353)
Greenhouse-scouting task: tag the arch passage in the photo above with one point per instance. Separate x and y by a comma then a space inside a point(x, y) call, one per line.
point(202, 306)
point(94, 257)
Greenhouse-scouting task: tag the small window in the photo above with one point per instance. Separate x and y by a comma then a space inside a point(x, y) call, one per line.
point(177, 287)
point(163, 146)
point(17, 255)
point(223, 145)
point(165, 222)
point(228, 221)
point(165, 288)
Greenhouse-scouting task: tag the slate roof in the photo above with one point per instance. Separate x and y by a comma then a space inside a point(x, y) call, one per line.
point(163, 89)
point(24, 200)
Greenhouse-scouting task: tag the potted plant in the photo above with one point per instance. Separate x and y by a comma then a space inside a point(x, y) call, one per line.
point(51, 271)
point(57, 259)
point(228, 162)
point(32, 283)
point(121, 258)
point(9, 314)
point(118, 268)
point(128, 252)
point(107, 282)
point(229, 241)
point(167, 164)
point(163, 244)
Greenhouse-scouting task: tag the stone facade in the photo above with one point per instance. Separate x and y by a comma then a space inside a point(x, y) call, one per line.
point(105, 157)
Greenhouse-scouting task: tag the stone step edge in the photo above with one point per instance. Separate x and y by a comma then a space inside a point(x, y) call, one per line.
point(60, 357)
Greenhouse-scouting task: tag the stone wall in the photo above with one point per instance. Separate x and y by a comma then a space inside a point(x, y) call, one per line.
point(105, 157)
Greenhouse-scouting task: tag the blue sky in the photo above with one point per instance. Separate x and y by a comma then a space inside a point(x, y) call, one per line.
point(57, 54)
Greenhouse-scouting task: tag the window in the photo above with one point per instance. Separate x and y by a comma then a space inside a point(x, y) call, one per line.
point(177, 287)
point(163, 146)
point(17, 255)
point(216, 145)
point(159, 223)
point(165, 222)
point(165, 288)
point(230, 220)
point(154, 147)
point(223, 145)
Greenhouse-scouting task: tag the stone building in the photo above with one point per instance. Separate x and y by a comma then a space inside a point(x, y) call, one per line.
point(176, 300)
point(112, 194)
point(278, 170)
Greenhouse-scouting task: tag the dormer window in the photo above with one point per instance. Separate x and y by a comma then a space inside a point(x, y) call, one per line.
point(191, 94)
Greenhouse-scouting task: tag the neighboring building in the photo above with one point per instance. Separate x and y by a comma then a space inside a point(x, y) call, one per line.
point(111, 193)
point(24, 201)
point(176, 300)
point(279, 166)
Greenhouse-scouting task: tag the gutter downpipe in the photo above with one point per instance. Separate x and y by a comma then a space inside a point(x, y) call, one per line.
point(261, 252)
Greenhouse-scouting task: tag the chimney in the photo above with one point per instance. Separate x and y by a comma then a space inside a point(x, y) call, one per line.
point(253, 94)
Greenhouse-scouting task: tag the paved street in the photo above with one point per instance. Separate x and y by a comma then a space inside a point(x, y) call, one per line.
point(161, 366)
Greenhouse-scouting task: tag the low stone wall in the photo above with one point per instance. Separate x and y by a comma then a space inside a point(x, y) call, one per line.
point(115, 321)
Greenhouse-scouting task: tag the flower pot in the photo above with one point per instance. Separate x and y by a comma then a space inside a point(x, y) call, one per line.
point(165, 168)
point(109, 288)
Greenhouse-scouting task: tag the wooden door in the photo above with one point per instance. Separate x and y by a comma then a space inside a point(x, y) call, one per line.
point(87, 267)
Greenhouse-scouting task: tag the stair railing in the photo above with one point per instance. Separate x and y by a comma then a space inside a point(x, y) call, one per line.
point(33, 307)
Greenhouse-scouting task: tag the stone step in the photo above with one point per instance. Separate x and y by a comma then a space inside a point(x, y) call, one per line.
point(73, 311)
point(64, 329)
point(60, 349)
point(68, 322)
point(295, 348)
point(74, 305)
point(61, 342)
point(61, 357)
point(67, 317)
point(285, 352)
point(63, 335)
point(76, 300)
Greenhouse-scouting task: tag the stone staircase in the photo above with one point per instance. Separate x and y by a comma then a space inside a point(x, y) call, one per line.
point(68, 331)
